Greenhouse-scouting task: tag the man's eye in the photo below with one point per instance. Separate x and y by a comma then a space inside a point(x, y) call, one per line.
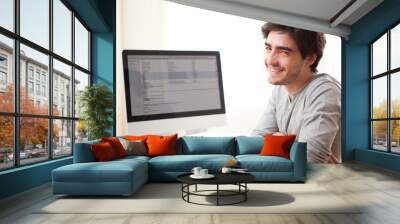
point(285, 52)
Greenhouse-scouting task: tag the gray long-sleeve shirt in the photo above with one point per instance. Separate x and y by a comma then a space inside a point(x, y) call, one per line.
point(313, 115)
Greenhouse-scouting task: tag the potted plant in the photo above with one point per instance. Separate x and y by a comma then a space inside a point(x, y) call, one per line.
point(96, 103)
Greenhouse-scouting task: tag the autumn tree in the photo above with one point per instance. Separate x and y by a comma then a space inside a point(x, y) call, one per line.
point(81, 129)
point(396, 123)
point(6, 122)
point(33, 131)
point(380, 127)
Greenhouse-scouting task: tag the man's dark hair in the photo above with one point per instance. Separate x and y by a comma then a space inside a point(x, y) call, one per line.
point(308, 42)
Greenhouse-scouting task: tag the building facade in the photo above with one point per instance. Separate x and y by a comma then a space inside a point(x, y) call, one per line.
point(34, 81)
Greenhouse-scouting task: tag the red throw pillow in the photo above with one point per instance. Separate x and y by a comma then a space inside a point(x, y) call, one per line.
point(277, 145)
point(161, 145)
point(116, 145)
point(103, 151)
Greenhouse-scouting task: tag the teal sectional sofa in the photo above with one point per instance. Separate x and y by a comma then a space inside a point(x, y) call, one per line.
point(125, 176)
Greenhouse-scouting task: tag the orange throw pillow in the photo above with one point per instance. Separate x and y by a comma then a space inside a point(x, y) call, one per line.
point(136, 137)
point(103, 151)
point(277, 145)
point(116, 145)
point(161, 145)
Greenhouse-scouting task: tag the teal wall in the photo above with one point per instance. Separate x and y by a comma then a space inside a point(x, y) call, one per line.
point(103, 48)
point(380, 159)
point(99, 16)
point(356, 85)
point(24, 178)
point(96, 13)
point(102, 58)
point(102, 63)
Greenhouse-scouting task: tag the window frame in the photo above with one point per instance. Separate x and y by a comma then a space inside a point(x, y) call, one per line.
point(388, 74)
point(5, 59)
point(3, 77)
point(16, 114)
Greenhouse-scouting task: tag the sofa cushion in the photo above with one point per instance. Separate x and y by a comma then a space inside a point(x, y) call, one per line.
point(185, 163)
point(134, 147)
point(257, 163)
point(116, 145)
point(196, 145)
point(131, 158)
point(136, 137)
point(249, 145)
point(277, 145)
point(103, 151)
point(111, 171)
point(161, 145)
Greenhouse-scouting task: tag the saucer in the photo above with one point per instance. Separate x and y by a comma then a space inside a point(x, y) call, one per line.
point(240, 171)
point(208, 176)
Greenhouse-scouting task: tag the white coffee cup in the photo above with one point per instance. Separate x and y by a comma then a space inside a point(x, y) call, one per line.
point(226, 170)
point(196, 170)
point(203, 172)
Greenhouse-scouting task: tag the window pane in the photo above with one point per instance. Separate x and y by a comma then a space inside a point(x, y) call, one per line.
point(33, 139)
point(7, 14)
point(81, 81)
point(6, 74)
point(81, 45)
point(395, 47)
point(81, 132)
point(62, 29)
point(395, 136)
point(6, 142)
point(62, 89)
point(379, 135)
point(35, 21)
point(379, 98)
point(62, 138)
point(395, 94)
point(34, 72)
point(379, 55)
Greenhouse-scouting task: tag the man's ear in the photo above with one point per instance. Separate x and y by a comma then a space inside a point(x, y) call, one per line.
point(311, 59)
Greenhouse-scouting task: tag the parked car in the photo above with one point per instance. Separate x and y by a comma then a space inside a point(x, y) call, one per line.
point(22, 155)
point(57, 152)
point(10, 156)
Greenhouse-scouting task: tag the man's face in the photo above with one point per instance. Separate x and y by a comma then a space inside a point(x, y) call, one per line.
point(283, 59)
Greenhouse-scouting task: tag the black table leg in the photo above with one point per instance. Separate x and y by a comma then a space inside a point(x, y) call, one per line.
point(217, 194)
point(188, 189)
point(245, 193)
point(185, 188)
point(182, 190)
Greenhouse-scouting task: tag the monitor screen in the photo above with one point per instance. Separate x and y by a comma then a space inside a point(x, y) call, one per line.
point(171, 84)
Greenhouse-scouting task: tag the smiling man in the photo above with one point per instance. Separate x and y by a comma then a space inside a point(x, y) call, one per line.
point(303, 102)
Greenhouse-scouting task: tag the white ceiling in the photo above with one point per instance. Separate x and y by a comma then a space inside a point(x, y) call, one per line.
point(328, 16)
point(321, 9)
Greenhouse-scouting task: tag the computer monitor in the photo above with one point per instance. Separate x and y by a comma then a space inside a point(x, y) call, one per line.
point(172, 84)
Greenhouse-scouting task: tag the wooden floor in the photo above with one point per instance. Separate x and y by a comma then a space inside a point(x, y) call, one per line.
point(377, 188)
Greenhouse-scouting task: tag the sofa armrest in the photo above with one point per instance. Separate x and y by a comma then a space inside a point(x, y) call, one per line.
point(83, 152)
point(298, 155)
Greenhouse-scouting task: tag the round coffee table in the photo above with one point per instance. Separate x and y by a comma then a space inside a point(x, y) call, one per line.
point(238, 179)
